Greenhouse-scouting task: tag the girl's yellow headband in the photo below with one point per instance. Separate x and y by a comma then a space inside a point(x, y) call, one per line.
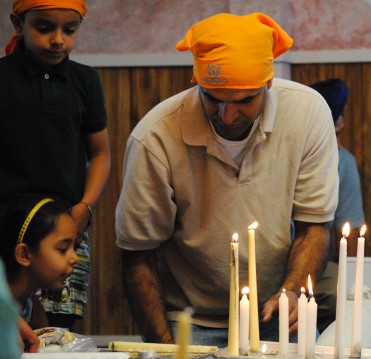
point(30, 216)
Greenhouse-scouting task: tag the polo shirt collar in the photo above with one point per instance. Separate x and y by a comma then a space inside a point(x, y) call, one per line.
point(270, 111)
point(195, 125)
point(31, 68)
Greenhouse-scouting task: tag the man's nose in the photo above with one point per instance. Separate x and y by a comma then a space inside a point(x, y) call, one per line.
point(228, 112)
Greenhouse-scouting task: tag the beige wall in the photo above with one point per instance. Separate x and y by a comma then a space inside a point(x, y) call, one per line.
point(124, 27)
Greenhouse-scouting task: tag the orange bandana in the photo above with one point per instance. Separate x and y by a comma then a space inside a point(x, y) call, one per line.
point(237, 52)
point(20, 6)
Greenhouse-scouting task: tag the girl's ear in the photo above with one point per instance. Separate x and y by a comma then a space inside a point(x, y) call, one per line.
point(22, 255)
point(17, 23)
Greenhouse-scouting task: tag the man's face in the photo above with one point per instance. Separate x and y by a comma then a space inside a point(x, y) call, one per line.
point(339, 126)
point(232, 112)
point(49, 35)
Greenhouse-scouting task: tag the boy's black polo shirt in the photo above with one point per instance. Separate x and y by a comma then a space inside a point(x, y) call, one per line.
point(44, 118)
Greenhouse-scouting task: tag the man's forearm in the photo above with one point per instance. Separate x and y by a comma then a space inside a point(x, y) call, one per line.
point(145, 295)
point(309, 255)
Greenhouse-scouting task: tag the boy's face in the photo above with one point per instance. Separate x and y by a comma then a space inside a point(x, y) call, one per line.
point(50, 35)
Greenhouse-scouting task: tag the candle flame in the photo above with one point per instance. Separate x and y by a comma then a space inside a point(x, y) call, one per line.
point(264, 348)
point(253, 225)
point(346, 229)
point(302, 289)
point(245, 290)
point(235, 237)
point(310, 288)
point(363, 230)
point(283, 290)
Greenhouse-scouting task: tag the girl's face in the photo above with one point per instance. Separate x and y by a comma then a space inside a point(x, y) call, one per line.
point(51, 264)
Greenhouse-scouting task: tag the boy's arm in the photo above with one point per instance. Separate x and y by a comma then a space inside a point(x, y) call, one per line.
point(99, 165)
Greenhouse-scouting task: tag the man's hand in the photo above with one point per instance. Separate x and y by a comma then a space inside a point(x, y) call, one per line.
point(272, 306)
point(29, 340)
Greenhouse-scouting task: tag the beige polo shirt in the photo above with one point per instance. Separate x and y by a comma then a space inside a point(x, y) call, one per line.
point(183, 194)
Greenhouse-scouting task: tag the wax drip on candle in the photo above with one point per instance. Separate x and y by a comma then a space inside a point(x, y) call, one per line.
point(233, 326)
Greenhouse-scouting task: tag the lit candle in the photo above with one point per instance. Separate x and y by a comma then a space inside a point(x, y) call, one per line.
point(244, 322)
point(233, 347)
point(302, 322)
point(183, 333)
point(356, 347)
point(310, 349)
point(254, 314)
point(283, 312)
point(341, 295)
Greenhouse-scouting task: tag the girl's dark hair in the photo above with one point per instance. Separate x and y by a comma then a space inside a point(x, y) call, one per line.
point(12, 218)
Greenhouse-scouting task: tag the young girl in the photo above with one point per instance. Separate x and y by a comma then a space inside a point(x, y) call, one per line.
point(38, 236)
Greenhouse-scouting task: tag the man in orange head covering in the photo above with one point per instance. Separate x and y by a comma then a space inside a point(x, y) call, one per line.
point(238, 147)
point(53, 109)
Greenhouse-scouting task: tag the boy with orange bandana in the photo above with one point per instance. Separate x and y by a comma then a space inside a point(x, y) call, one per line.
point(54, 138)
point(237, 148)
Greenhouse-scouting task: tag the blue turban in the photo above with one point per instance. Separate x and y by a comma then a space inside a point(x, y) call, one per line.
point(335, 92)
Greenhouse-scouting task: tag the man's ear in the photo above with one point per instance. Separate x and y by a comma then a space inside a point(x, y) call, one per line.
point(17, 23)
point(22, 255)
point(269, 83)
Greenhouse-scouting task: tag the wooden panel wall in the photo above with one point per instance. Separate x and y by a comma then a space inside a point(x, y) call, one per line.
point(132, 92)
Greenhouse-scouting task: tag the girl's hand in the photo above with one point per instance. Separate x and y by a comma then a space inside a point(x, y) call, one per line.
point(29, 340)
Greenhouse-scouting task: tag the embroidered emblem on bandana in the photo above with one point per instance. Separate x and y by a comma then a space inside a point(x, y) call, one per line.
point(214, 71)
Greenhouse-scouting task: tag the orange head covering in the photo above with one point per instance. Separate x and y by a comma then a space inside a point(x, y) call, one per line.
point(237, 52)
point(20, 6)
